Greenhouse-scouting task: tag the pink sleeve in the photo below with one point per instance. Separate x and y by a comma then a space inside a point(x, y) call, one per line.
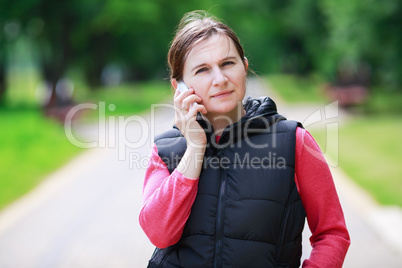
point(166, 202)
point(330, 238)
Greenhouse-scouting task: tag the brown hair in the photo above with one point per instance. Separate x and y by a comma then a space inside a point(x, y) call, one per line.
point(194, 27)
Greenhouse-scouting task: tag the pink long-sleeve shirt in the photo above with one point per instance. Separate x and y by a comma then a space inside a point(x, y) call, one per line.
point(168, 198)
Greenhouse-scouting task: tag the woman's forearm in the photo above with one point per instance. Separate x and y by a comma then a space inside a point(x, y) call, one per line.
point(191, 163)
point(167, 201)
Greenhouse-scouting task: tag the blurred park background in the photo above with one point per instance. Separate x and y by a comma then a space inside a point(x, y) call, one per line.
point(56, 54)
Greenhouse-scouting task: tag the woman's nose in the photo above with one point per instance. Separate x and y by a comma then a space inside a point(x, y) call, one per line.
point(219, 78)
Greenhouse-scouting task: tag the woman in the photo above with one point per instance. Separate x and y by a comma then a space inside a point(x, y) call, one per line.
point(231, 184)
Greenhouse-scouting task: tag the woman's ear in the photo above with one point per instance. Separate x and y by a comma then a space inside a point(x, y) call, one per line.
point(173, 82)
point(245, 63)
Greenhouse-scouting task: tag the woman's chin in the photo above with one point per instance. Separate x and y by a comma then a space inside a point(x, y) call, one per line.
point(227, 109)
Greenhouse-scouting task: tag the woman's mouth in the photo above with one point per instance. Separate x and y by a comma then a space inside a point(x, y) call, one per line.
point(222, 94)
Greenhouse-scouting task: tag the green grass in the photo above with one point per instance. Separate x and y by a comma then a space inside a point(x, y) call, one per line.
point(370, 153)
point(295, 89)
point(31, 146)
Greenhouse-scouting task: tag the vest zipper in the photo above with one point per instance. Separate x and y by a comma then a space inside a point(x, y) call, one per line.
point(220, 222)
point(221, 204)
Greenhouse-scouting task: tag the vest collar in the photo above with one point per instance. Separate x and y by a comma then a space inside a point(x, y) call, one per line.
point(260, 114)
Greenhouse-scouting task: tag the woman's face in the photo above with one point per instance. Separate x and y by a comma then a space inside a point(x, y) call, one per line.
point(216, 72)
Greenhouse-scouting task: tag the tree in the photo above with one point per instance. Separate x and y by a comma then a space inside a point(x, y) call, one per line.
point(9, 26)
point(362, 35)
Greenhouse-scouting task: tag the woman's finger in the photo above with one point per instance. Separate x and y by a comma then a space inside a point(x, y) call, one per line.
point(195, 108)
point(180, 96)
point(189, 101)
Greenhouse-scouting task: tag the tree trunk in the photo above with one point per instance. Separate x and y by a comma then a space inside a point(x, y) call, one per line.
point(100, 50)
point(54, 69)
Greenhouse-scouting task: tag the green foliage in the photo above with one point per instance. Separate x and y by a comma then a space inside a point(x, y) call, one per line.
point(306, 36)
point(363, 32)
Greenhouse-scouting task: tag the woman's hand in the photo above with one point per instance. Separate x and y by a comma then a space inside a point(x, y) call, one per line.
point(187, 107)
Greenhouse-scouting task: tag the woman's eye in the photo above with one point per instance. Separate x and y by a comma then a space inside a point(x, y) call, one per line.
point(227, 63)
point(201, 70)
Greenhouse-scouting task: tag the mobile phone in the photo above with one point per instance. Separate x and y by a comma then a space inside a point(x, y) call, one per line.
point(181, 86)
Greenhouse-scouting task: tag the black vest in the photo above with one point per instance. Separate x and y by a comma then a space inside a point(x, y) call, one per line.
point(247, 212)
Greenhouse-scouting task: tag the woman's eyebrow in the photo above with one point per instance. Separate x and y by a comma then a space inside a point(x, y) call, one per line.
point(198, 66)
point(229, 58)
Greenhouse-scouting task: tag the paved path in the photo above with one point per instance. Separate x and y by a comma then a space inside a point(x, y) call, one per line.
point(86, 213)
